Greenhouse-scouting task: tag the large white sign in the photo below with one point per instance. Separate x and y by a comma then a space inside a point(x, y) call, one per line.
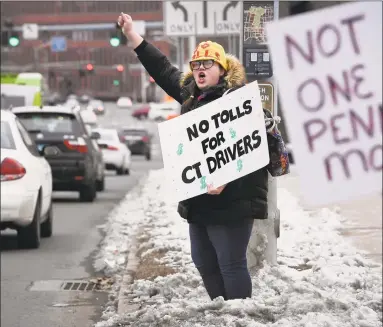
point(187, 18)
point(30, 31)
point(215, 144)
point(328, 64)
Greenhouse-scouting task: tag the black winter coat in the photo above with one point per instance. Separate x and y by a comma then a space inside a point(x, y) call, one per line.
point(244, 198)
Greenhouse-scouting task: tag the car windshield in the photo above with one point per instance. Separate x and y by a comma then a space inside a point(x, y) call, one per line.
point(7, 141)
point(108, 135)
point(49, 122)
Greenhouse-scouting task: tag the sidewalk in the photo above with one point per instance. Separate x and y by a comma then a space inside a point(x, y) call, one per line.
point(361, 218)
point(338, 288)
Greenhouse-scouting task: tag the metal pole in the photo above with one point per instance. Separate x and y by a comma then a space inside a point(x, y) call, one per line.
point(143, 85)
point(181, 57)
point(192, 45)
point(263, 241)
point(36, 57)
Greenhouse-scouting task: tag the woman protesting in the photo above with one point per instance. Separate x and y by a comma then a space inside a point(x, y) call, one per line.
point(220, 221)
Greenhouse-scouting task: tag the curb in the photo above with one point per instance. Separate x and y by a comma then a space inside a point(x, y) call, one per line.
point(124, 305)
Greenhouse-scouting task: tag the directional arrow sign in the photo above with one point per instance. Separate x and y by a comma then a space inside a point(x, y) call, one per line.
point(186, 18)
point(30, 31)
point(180, 17)
point(228, 17)
point(176, 5)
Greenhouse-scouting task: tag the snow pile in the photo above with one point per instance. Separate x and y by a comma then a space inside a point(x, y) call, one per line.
point(122, 225)
point(321, 281)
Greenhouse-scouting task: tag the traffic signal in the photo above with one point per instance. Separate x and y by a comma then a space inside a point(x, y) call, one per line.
point(13, 39)
point(120, 68)
point(117, 37)
point(114, 41)
point(10, 38)
point(90, 68)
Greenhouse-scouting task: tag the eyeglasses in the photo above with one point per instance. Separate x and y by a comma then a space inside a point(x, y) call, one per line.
point(205, 63)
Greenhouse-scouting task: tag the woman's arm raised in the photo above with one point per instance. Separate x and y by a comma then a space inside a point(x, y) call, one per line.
point(155, 62)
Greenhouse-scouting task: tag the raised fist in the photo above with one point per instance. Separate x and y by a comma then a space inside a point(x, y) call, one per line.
point(126, 23)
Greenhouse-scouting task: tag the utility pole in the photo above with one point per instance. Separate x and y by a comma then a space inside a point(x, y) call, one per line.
point(256, 58)
point(181, 56)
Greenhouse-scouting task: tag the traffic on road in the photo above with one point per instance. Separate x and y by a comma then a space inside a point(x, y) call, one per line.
point(64, 167)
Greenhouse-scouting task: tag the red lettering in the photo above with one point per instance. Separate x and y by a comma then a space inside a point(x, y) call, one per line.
point(350, 24)
point(335, 130)
point(320, 91)
point(357, 120)
point(336, 46)
point(367, 161)
point(372, 157)
point(336, 88)
point(344, 161)
point(311, 94)
point(308, 53)
point(312, 135)
point(358, 81)
point(290, 44)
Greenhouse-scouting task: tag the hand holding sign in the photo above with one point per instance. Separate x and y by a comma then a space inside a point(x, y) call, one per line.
point(221, 142)
point(216, 191)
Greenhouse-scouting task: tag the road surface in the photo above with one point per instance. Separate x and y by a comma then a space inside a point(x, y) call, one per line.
point(68, 255)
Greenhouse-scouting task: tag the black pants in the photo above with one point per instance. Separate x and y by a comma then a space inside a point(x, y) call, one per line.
point(219, 254)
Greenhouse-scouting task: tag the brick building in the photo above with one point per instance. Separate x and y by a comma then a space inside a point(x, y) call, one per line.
point(91, 44)
point(83, 46)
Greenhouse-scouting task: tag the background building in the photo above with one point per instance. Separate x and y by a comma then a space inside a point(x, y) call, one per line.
point(90, 64)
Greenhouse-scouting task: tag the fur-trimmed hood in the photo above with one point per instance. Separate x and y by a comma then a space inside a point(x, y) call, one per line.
point(235, 74)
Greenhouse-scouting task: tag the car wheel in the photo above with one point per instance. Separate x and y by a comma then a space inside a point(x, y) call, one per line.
point(29, 237)
point(88, 193)
point(46, 227)
point(148, 156)
point(127, 171)
point(100, 184)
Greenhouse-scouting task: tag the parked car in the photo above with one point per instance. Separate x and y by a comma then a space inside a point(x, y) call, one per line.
point(138, 140)
point(116, 154)
point(72, 103)
point(124, 102)
point(76, 163)
point(97, 106)
point(26, 184)
point(141, 112)
point(85, 98)
point(161, 111)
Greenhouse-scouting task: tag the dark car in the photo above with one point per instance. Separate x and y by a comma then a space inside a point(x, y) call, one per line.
point(141, 112)
point(97, 106)
point(74, 157)
point(138, 141)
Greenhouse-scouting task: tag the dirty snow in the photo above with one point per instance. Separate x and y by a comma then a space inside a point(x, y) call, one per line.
point(338, 288)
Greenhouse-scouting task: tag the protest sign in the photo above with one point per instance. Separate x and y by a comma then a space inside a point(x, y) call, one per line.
point(328, 64)
point(214, 144)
